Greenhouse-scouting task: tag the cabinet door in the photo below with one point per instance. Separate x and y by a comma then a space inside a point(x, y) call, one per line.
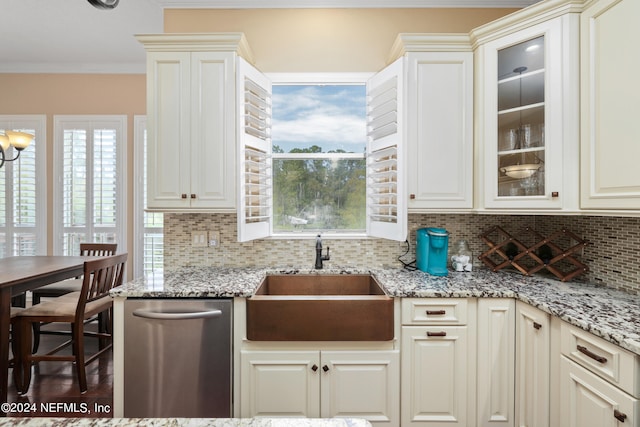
point(496, 335)
point(529, 126)
point(361, 384)
point(280, 384)
point(168, 129)
point(212, 171)
point(610, 59)
point(588, 401)
point(440, 130)
point(532, 366)
point(435, 376)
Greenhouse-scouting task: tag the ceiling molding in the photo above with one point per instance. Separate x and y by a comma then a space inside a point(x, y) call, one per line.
point(343, 4)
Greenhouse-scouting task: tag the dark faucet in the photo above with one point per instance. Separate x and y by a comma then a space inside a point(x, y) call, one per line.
point(319, 256)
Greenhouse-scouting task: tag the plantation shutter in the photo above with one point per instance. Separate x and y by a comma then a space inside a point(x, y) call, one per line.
point(23, 191)
point(254, 131)
point(386, 204)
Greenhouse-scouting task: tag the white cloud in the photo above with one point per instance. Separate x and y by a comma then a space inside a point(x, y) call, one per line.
point(329, 116)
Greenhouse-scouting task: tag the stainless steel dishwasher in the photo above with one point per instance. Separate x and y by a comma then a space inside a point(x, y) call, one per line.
point(177, 358)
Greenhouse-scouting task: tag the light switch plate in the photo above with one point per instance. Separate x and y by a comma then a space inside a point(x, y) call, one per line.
point(199, 239)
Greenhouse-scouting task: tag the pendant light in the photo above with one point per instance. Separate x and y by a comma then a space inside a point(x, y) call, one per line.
point(525, 170)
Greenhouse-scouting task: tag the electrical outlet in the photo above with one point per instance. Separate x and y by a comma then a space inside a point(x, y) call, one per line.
point(214, 239)
point(199, 239)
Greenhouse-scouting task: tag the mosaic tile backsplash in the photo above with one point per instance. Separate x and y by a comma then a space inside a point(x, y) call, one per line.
point(612, 254)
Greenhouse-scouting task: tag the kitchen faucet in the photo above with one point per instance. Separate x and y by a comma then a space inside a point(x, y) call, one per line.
point(319, 256)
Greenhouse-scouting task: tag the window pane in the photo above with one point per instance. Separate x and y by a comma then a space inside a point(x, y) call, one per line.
point(104, 177)
point(24, 188)
point(18, 201)
point(75, 178)
point(319, 195)
point(330, 117)
point(153, 258)
point(24, 244)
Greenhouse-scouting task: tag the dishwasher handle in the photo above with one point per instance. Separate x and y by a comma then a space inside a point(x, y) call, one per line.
point(209, 314)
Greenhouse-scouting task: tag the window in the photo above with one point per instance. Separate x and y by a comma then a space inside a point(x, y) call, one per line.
point(301, 169)
point(23, 191)
point(148, 249)
point(90, 194)
point(319, 139)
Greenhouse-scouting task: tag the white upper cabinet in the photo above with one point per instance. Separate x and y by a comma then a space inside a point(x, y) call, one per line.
point(439, 120)
point(191, 130)
point(527, 112)
point(610, 60)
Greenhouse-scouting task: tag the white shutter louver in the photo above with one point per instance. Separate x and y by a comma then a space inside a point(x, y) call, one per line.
point(254, 105)
point(386, 207)
point(383, 185)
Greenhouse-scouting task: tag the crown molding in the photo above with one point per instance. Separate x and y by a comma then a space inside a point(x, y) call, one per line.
point(426, 42)
point(524, 18)
point(197, 42)
point(342, 4)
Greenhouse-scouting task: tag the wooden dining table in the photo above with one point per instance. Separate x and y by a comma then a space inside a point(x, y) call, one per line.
point(20, 274)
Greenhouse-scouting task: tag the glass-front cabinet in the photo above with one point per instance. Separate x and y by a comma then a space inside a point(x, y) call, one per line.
point(528, 116)
point(521, 149)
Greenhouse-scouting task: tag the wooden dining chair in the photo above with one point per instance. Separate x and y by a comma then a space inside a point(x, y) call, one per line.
point(67, 286)
point(99, 277)
point(73, 285)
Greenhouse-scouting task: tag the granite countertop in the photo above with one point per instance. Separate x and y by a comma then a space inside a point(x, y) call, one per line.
point(185, 422)
point(605, 312)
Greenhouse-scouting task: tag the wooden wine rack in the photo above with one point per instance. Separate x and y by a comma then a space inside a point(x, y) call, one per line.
point(545, 253)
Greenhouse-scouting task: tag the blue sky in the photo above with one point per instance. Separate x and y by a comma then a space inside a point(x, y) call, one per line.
point(331, 116)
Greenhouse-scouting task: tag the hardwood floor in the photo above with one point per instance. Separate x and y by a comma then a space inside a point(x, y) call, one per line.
point(54, 390)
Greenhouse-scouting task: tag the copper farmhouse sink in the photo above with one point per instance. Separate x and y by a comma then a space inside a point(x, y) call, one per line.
point(320, 307)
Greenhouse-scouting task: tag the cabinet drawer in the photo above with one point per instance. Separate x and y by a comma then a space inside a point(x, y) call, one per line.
point(616, 365)
point(434, 311)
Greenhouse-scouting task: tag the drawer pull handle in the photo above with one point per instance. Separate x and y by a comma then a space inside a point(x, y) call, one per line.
point(536, 325)
point(437, 334)
point(619, 415)
point(589, 353)
point(436, 312)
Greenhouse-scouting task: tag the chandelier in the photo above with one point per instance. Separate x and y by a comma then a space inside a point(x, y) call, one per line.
point(17, 140)
point(104, 4)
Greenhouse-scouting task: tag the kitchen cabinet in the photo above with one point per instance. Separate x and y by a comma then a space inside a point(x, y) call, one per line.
point(191, 120)
point(533, 339)
point(437, 362)
point(600, 382)
point(439, 120)
point(609, 102)
point(496, 362)
point(589, 401)
point(527, 125)
point(327, 384)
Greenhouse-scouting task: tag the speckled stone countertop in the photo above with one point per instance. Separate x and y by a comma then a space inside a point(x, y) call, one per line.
point(605, 312)
point(185, 422)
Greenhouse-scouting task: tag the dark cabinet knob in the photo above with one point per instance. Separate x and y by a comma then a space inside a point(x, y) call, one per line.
point(193, 196)
point(619, 415)
point(314, 368)
point(184, 196)
point(325, 368)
